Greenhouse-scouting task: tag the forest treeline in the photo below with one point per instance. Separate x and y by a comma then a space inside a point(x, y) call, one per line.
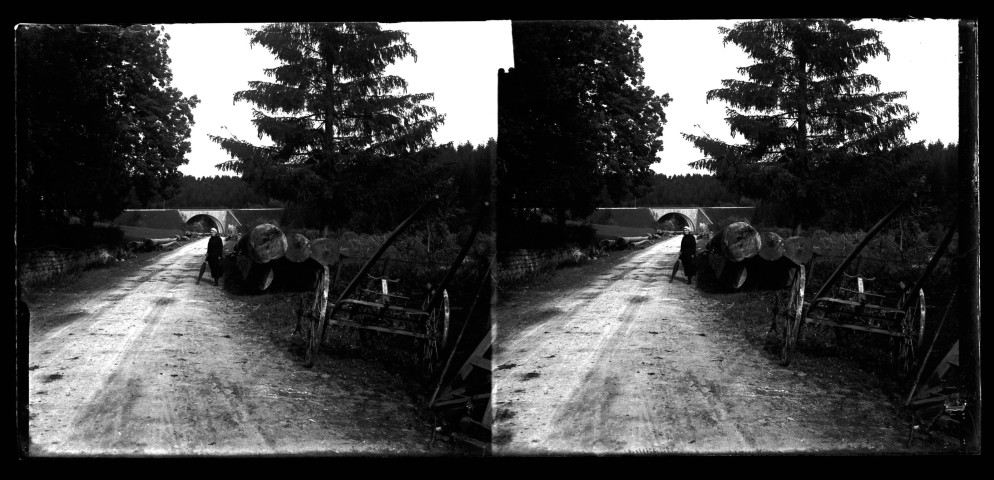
point(692, 190)
point(461, 172)
point(931, 167)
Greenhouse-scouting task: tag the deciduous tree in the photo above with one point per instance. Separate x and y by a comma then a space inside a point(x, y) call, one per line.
point(96, 117)
point(574, 118)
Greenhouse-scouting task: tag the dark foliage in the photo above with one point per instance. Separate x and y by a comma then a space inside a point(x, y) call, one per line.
point(208, 192)
point(543, 236)
point(346, 136)
point(96, 118)
point(574, 118)
point(815, 129)
point(71, 237)
point(694, 190)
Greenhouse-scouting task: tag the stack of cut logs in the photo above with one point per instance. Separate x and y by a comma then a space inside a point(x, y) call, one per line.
point(266, 253)
point(739, 252)
point(155, 244)
point(625, 243)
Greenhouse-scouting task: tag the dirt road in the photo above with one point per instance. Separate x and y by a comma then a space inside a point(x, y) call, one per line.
point(141, 361)
point(626, 362)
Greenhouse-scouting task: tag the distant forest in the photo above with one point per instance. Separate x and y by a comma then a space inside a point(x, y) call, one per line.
point(929, 169)
point(459, 174)
point(467, 166)
point(693, 190)
point(218, 191)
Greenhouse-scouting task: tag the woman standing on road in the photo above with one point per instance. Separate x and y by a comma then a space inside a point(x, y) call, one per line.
point(688, 249)
point(215, 248)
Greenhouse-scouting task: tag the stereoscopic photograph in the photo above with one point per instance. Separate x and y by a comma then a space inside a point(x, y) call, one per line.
point(497, 238)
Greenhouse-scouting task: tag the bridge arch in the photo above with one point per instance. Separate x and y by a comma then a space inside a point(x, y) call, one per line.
point(679, 220)
point(207, 221)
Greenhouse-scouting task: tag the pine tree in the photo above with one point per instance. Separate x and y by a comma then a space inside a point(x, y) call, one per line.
point(330, 111)
point(810, 120)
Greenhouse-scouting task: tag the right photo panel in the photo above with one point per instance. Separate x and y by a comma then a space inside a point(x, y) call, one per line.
point(728, 237)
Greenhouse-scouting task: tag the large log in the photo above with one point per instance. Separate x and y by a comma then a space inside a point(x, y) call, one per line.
point(639, 244)
point(770, 275)
point(255, 275)
point(730, 274)
point(244, 266)
point(298, 248)
point(266, 243)
point(717, 262)
point(798, 250)
point(740, 241)
point(264, 278)
point(772, 246)
point(325, 251)
point(296, 276)
point(150, 244)
point(629, 240)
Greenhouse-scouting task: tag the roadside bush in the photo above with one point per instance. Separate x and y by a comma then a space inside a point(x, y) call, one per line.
point(71, 237)
point(247, 227)
point(724, 222)
point(541, 236)
point(669, 225)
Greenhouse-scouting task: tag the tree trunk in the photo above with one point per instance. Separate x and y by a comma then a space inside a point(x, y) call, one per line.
point(158, 241)
point(266, 243)
point(298, 248)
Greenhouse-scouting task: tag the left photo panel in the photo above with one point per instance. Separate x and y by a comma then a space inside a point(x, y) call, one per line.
point(260, 239)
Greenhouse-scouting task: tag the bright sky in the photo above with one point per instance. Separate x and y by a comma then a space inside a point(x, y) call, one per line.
point(686, 58)
point(457, 61)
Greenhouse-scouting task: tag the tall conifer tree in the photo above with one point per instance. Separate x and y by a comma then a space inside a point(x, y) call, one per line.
point(810, 120)
point(330, 110)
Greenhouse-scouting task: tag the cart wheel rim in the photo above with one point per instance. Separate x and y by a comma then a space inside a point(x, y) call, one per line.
point(913, 328)
point(437, 332)
point(445, 318)
point(794, 317)
point(921, 321)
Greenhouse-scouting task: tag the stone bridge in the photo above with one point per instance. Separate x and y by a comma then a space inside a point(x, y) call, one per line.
point(225, 220)
point(699, 219)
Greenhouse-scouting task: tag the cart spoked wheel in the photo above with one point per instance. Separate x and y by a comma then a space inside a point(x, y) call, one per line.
point(793, 317)
point(313, 341)
point(913, 331)
point(316, 320)
point(437, 330)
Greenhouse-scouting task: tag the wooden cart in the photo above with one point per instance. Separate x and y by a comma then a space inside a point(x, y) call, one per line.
point(373, 302)
point(843, 301)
